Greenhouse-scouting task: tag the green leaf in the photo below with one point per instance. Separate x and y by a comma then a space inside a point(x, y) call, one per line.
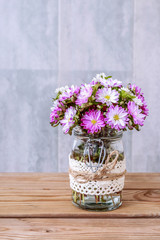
point(126, 95)
point(95, 88)
point(54, 125)
point(108, 77)
point(137, 127)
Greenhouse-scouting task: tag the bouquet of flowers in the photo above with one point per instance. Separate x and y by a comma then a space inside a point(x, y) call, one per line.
point(103, 104)
point(98, 112)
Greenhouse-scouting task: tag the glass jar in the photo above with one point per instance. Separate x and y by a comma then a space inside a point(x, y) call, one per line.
point(97, 170)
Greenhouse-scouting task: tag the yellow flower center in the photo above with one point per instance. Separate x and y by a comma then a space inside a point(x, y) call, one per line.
point(116, 117)
point(93, 121)
point(107, 97)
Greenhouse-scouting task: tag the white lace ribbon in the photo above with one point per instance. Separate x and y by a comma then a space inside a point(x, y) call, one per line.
point(97, 187)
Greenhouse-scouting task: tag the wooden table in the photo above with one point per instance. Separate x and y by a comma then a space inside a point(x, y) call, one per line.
point(37, 206)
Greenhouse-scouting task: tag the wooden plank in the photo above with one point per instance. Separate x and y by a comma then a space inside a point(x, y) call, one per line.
point(68, 229)
point(150, 195)
point(60, 181)
point(42, 204)
point(65, 209)
point(49, 195)
point(142, 181)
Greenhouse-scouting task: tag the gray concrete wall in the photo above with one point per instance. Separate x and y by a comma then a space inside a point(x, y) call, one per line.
point(49, 43)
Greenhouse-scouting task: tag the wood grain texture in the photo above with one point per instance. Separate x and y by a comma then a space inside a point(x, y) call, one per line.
point(38, 206)
point(150, 195)
point(61, 181)
point(49, 195)
point(68, 229)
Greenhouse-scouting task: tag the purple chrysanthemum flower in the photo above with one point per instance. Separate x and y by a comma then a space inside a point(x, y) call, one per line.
point(75, 89)
point(111, 82)
point(135, 88)
point(107, 95)
point(115, 83)
point(85, 93)
point(68, 121)
point(94, 82)
point(145, 108)
point(93, 121)
point(136, 113)
point(53, 118)
point(117, 117)
point(68, 93)
point(55, 110)
point(65, 95)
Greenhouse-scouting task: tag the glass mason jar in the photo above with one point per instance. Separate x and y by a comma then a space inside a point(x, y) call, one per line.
point(97, 170)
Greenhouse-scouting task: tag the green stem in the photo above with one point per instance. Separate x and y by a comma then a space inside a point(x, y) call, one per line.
point(96, 199)
point(80, 198)
point(112, 200)
point(102, 198)
point(83, 198)
point(75, 196)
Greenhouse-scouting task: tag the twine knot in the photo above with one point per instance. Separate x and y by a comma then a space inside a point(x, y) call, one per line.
point(104, 173)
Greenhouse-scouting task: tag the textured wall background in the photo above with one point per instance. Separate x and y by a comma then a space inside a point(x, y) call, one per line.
point(49, 43)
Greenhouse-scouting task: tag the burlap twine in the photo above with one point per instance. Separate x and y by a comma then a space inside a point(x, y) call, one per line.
point(101, 174)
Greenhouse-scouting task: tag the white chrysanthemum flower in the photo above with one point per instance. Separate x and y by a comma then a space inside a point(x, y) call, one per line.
point(98, 78)
point(100, 75)
point(61, 89)
point(55, 105)
point(68, 121)
point(107, 95)
point(138, 101)
point(125, 89)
